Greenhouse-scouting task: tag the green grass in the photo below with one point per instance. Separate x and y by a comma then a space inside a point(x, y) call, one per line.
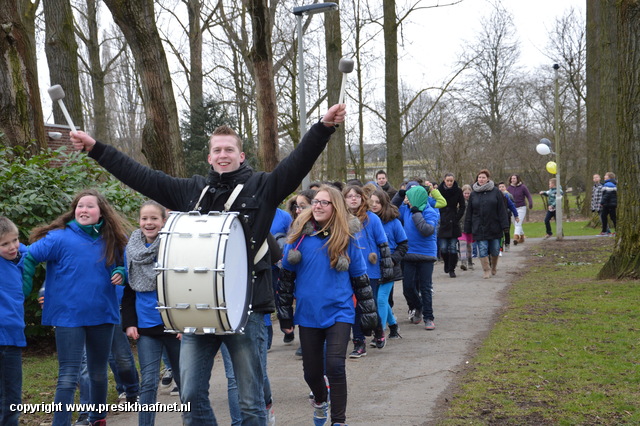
point(566, 350)
point(570, 229)
point(39, 378)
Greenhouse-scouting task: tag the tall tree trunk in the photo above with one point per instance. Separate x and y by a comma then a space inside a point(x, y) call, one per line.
point(62, 58)
point(92, 42)
point(196, 96)
point(21, 119)
point(392, 103)
point(337, 167)
point(161, 142)
point(262, 58)
point(625, 262)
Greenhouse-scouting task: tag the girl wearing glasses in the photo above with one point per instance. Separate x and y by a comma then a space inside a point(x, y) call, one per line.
point(322, 269)
point(372, 240)
point(298, 203)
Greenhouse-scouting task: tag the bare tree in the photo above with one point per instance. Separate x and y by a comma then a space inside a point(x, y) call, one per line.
point(625, 262)
point(21, 119)
point(262, 60)
point(337, 167)
point(89, 35)
point(490, 88)
point(62, 57)
point(391, 99)
point(161, 142)
point(568, 48)
point(602, 73)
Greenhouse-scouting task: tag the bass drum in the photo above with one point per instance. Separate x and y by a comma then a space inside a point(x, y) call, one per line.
point(203, 284)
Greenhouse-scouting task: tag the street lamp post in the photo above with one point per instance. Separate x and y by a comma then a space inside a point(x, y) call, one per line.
point(559, 197)
point(544, 148)
point(300, 11)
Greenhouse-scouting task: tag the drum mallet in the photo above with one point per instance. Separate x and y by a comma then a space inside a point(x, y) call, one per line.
point(56, 93)
point(345, 66)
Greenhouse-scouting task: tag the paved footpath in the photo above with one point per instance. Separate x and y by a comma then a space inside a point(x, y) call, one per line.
point(401, 384)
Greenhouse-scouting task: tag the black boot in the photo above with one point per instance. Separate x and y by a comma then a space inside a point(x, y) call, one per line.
point(393, 332)
point(453, 261)
point(445, 259)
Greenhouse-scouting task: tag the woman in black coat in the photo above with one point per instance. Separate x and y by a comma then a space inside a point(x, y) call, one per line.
point(450, 216)
point(486, 219)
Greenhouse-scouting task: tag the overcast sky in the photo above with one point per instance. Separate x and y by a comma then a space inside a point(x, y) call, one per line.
point(438, 35)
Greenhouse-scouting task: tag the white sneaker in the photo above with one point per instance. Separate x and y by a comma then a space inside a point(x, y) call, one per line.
point(412, 313)
point(166, 378)
point(271, 415)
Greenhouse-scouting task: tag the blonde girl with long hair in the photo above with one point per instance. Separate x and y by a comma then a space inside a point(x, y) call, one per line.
point(323, 269)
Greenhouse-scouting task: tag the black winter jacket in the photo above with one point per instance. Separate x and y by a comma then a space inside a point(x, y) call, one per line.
point(486, 216)
point(451, 214)
point(257, 202)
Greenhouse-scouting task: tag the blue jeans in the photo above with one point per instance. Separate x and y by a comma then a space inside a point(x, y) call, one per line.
point(232, 387)
point(84, 386)
point(358, 335)
point(489, 247)
point(123, 364)
point(419, 275)
point(448, 245)
point(384, 310)
point(150, 350)
point(196, 361)
point(70, 343)
point(10, 383)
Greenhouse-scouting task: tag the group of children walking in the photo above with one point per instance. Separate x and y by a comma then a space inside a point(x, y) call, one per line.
point(346, 246)
point(87, 255)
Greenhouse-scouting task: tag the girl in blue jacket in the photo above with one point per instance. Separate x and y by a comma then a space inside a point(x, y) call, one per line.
point(323, 269)
point(372, 240)
point(397, 238)
point(140, 318)
point(83, 249)
point(12, 338)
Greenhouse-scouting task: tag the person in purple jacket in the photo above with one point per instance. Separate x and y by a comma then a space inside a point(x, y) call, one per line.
point(323, 268)
point(521, 196)
point(84, 250)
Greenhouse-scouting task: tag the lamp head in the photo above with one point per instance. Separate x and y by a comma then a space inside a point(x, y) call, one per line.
point(311, 9)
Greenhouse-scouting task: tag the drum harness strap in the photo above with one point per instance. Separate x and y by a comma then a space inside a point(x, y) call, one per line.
point(236, 191)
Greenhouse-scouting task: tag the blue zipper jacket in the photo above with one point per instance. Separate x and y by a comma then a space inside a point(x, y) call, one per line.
point(368, 238)
point(78, 287)
point(323, 295)
point(12, 301)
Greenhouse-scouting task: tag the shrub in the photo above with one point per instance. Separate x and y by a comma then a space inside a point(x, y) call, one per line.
point(36, 189)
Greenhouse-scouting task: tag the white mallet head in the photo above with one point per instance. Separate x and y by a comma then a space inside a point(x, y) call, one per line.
point(345, 66)
point(56, 93)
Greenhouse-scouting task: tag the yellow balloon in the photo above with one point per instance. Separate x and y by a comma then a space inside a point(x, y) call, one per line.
point(552, 167)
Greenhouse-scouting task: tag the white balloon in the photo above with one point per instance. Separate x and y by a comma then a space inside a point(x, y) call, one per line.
point(546, 142)
point(543, 149)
